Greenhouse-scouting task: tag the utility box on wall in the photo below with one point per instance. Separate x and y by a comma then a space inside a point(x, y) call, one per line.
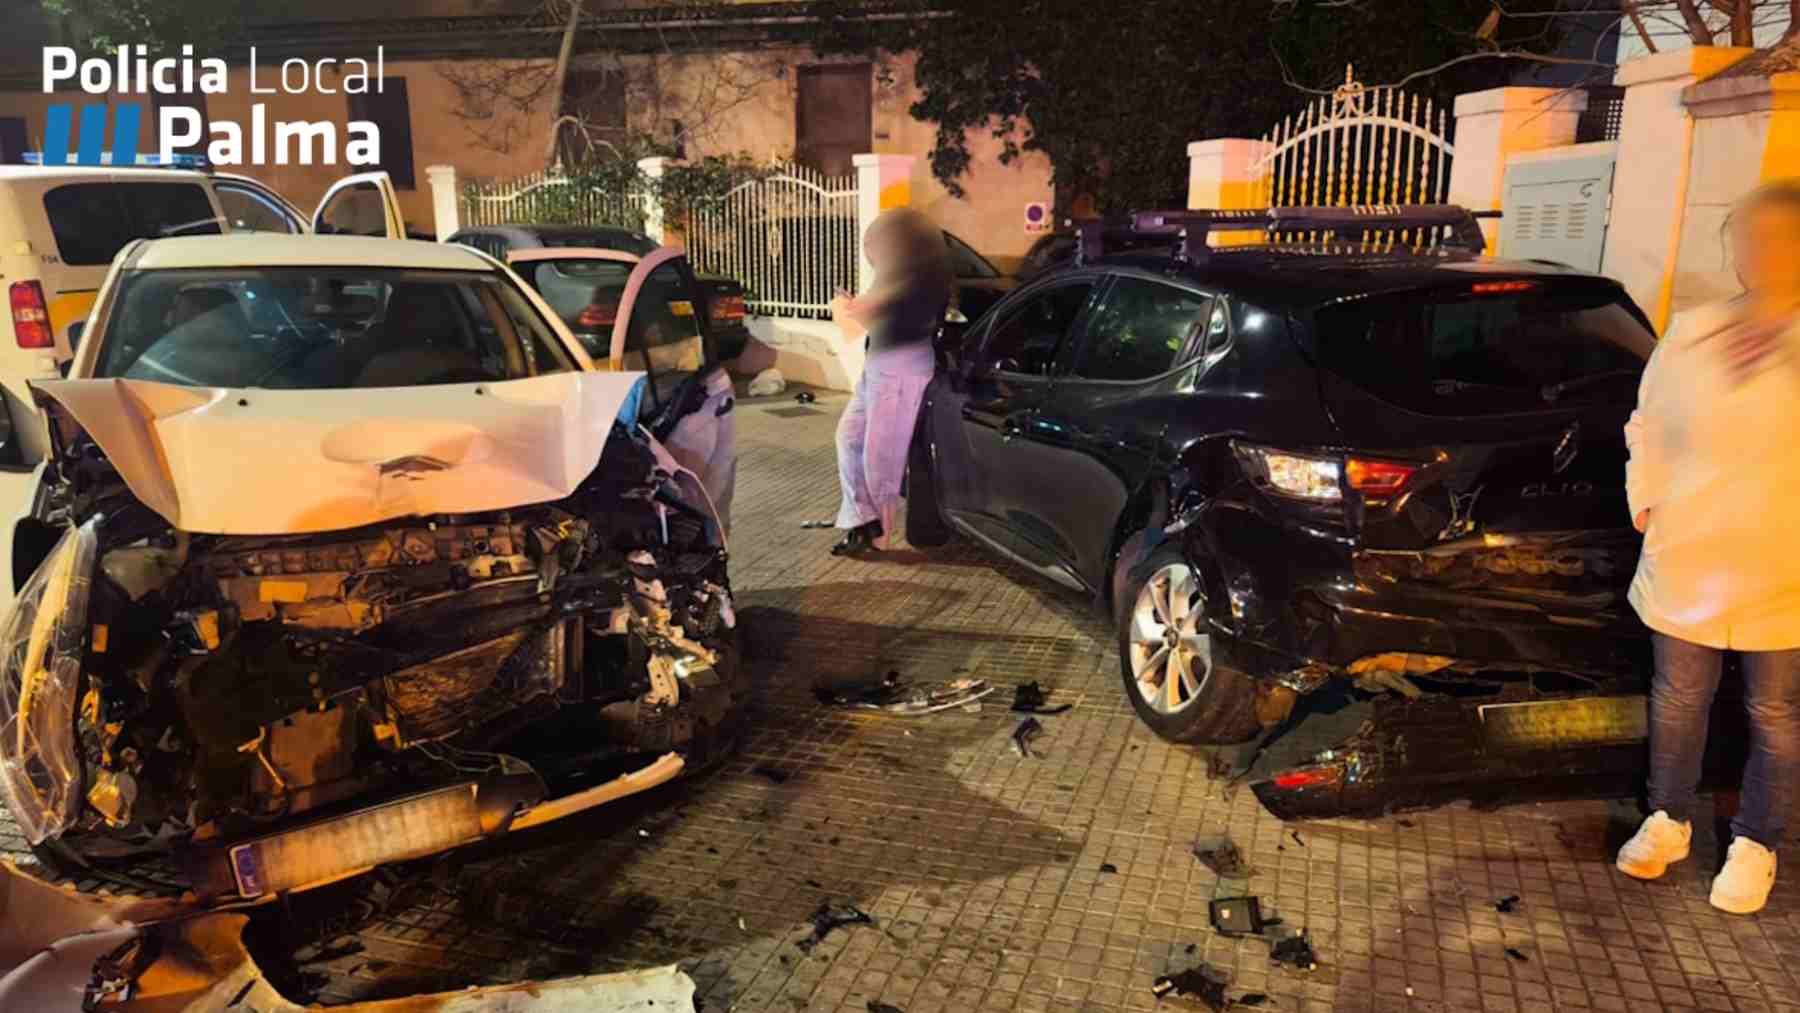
point(1556, 204)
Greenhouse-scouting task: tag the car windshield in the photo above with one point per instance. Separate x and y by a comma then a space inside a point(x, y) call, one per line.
point(324, 328)
point(1489, 347)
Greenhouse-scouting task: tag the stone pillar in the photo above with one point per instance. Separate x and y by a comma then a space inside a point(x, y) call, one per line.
point(1227, 174)
point(446, 202)
point(882, 182)
point(1493, 124)
point(1650, 181)
point(655, 225)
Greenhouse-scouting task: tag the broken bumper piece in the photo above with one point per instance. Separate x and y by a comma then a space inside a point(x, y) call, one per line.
point(415, 826)
point(1418, 754)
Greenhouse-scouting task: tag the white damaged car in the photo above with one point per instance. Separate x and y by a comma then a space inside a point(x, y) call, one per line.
point(348, 553)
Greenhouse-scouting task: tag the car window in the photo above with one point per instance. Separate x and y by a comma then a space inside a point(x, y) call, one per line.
point(249, 211)
point(92, 222)
point(356, 210)
point(965, 262)
point(664, 330)
point(318, 328)
point(585, 293)
point(1025, 339)
point(1490, 347)
point(1218, 328)
point(1140, 330)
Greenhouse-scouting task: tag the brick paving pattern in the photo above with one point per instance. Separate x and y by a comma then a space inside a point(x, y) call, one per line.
point(983, 869)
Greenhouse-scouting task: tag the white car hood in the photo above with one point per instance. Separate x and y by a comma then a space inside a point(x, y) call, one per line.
point(265, 462)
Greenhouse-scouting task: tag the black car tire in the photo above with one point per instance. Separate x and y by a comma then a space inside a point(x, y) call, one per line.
point(925, 525)
point(1223, 712)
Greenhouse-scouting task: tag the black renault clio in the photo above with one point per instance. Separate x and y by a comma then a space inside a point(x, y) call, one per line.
point(1359, 450)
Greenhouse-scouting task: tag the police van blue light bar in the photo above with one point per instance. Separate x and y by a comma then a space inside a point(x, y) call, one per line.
point(141, 161)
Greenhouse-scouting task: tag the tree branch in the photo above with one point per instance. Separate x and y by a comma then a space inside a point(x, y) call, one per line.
point(1697, 28)
point(1637, 21)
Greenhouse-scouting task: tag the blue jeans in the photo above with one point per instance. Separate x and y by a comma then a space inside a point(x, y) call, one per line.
point(1681, 698)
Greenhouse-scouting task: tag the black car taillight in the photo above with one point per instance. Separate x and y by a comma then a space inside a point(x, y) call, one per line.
point(1323, 480)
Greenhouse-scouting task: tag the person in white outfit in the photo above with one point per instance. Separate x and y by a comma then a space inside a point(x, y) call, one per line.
point(901, 314)
point(1714, 485)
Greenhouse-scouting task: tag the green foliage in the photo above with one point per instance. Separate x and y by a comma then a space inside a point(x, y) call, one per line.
point(1113, 92)
point(100, 26)
point(609, 189)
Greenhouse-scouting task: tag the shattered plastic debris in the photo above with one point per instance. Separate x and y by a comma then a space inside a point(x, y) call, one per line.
point(882, 1007)
point(1222, 857)
point(1237, 916)
point(828, 917)
point(1296, 950)
point(804, 397)
point(1516, 955)
point(1032, 699)
point(817, 524)
point(1198, 984)
point(1107, 868)
point(896, 696)
point(1508, 904)
point(1028, 729)
point(767, 383)
point(1297, 839)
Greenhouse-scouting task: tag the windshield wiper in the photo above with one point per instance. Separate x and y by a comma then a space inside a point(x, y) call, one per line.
point(1552, 391)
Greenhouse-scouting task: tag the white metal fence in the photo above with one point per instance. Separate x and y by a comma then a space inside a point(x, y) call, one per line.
point(790, 237)
point(549, 198)
point(1360, 145)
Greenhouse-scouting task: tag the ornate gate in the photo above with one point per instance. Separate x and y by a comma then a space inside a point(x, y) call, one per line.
point(1359, 145)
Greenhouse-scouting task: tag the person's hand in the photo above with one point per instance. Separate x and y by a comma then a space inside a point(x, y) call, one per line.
point(1641, 521)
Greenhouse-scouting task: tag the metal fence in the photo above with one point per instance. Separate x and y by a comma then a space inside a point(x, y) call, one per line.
point(1360, 145)
point(549, 198)
point(790, 237)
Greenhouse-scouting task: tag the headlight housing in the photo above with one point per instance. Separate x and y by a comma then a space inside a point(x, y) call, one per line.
point(42, 641)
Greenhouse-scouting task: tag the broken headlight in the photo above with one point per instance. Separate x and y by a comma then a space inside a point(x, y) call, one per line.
point(41, 645)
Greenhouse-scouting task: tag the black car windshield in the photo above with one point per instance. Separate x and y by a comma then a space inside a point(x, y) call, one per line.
point(323, 328)
point(1489, 347)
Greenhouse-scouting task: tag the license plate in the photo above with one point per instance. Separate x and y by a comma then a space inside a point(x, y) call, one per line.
point(1566, 724)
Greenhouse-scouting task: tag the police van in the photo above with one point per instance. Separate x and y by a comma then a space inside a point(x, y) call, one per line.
point(60, 227)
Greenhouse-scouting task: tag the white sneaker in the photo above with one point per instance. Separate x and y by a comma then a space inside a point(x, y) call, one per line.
point(1743, 886)
point(1658, 844)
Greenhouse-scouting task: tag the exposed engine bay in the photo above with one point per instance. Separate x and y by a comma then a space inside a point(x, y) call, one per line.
point(276, 711)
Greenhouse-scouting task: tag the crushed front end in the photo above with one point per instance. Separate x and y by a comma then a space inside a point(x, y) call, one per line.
point(279, 711)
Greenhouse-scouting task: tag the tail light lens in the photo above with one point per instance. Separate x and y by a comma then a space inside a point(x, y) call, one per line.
point(1324, 479)
point(30, 316)
point(1377, 479)
point(598, 314)
point(728, 309)
point(1309, 777)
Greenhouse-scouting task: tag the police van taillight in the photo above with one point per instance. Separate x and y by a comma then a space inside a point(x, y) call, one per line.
point(30, 316)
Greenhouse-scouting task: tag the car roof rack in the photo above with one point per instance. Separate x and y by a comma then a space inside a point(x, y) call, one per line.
point(1450, 225)
point(197, 162)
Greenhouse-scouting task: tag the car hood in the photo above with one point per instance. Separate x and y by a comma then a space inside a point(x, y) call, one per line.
point(263, 462)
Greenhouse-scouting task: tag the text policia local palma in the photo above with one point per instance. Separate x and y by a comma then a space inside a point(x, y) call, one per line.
point(132, 71)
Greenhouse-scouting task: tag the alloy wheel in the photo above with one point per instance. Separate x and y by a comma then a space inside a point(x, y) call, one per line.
point(1171, 652)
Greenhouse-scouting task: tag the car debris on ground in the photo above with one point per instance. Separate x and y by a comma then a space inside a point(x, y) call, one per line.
point(829, 917)
point(896, 696)
point(1237, 916)
point(1296, 951)
point(1222, 856)
point(1508, 904)
point(767, 383)
point(1202, 984)
point(1028, 729)
point(1031, 698)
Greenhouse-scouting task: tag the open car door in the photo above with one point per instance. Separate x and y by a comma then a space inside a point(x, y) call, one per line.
point(661, 329)
point(365, 204)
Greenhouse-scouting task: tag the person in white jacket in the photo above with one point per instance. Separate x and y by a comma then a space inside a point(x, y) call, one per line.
point(1714, 485)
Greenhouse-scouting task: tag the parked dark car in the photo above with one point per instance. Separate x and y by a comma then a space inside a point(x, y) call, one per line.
point(725, 297)
point(1280, 465)
point(979, 284)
